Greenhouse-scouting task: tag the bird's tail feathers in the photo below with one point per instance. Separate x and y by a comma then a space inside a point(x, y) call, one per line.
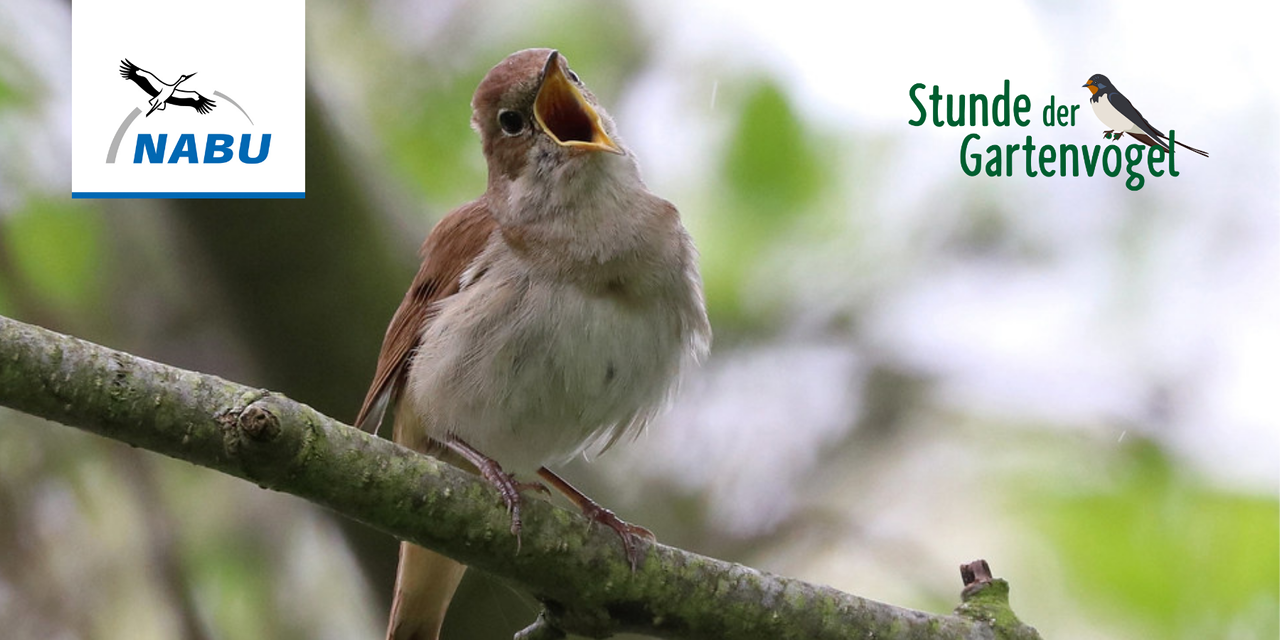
point(1203, 153)
point(1187, 147)
point(1149, 141)
point(425, 582)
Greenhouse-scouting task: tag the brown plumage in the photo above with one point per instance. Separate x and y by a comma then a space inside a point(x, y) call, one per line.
point(449, 248)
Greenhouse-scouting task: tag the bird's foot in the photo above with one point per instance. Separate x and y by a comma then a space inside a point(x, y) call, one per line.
point(509, 489)
point(1107, 134)
point(506, 484)
point(633, 536)
point(1117, 136)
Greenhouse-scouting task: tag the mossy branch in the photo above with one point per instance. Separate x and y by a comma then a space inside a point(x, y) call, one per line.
point(580, 575)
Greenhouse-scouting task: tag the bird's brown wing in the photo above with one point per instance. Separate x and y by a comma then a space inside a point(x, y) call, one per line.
point(447, 252)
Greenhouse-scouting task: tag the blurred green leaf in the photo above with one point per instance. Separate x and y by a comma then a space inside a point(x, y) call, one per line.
point(771, 165)
point(234, 590)
point(57, 250)
point(773, 174)
point(7, 94)
point(433, 142)
point(1184, 558)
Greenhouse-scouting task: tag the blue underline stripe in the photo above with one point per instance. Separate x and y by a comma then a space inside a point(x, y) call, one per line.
point(186, 194)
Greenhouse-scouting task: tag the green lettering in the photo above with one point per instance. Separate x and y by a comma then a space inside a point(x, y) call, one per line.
point(1156, 156)
point(923, 114)
point(1021, 105)
point(959, 120)
point(973, 109)
point(1106, 165)
point(1047, 155)
point(995, 107)
point(936, 98)
point(1091, 162)
point(1029, 147)
point(1075, 159)
point(993, 165)
point(1135, 179)
point(977, 157)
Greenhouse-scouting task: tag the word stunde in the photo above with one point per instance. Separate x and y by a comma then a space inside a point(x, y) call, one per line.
point(1048, 160)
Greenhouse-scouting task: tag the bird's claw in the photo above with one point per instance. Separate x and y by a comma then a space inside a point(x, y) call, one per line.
point(633, 536)
point(509, 489)
point(506, 484)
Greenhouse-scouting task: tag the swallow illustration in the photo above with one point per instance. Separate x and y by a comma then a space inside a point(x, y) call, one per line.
point(163, 93)
point(1115, 111)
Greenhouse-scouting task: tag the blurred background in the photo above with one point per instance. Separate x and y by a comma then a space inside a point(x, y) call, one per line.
point(912, 368)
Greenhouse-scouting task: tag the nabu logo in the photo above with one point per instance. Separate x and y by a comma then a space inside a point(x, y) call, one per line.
point(154, 149)
point(163, 93)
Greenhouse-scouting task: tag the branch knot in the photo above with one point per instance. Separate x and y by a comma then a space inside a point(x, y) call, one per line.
point(249, 420)
point(259, 423)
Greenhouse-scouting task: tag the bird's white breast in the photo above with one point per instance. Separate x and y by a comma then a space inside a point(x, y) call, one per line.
point(529, 370)
point(1111, 117)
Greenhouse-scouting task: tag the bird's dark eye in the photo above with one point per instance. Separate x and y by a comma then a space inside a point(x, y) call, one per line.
point(574, 77)
point(510, 121)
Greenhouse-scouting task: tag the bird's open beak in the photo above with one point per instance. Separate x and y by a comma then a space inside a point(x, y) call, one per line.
point(566, 116)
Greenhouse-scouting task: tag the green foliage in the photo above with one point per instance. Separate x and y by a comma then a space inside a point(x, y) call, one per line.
point(7, 94)
point(433, 144)
point(233, 578)
point(1185, 559)
point(771, 165)
point(773, 175)
point(57, 252)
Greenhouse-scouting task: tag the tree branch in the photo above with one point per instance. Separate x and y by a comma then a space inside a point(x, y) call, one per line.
point(580, 575)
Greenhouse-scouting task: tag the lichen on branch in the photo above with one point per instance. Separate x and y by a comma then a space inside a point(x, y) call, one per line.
point(580, 574)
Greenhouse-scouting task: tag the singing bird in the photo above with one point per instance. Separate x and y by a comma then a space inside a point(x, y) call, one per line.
point(1115, 111)
point(553, 313)
point(163, 93)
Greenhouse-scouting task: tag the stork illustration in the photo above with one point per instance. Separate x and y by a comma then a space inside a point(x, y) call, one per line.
point(163, 93)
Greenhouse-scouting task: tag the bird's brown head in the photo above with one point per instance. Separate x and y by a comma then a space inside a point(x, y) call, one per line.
point(1097, 82)
point(532, 106)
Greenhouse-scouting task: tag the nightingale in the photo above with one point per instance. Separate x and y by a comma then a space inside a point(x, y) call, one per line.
point(550, 315)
